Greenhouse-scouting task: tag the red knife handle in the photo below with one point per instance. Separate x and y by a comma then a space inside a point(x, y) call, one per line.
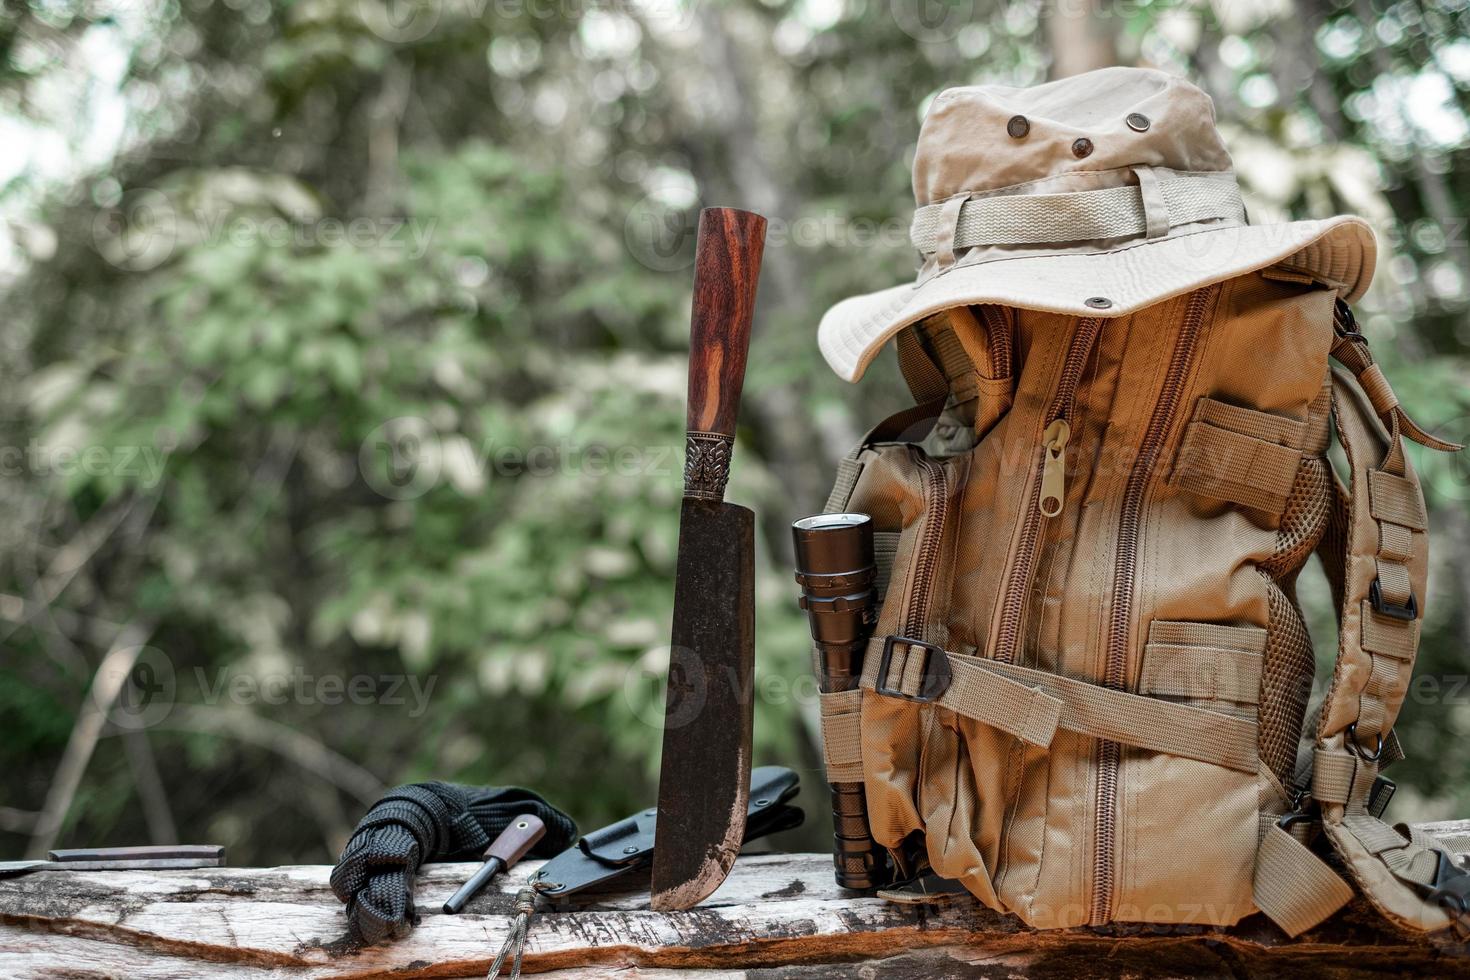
point(727, 262)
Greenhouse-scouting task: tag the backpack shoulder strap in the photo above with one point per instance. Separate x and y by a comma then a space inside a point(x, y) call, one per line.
point(911, 424)
point(1375, 551)
point(1379, 566)
point(1383, 566)
point(966, 354)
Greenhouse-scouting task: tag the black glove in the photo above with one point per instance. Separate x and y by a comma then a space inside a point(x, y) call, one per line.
point(424, 822)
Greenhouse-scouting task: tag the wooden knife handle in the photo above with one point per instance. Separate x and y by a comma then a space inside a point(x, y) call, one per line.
point(727, 263)
point(513, 843)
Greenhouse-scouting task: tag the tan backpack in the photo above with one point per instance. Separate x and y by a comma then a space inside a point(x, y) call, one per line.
point(1087, 689)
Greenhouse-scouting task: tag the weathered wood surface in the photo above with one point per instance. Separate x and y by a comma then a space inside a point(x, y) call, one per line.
point(778, 915)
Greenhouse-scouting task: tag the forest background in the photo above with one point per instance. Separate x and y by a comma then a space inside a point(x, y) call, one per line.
point(342, 364)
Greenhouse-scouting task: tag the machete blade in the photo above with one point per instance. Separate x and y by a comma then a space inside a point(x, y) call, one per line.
point(704, 783)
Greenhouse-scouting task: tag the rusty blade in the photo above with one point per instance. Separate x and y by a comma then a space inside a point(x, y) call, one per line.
point(704, 783)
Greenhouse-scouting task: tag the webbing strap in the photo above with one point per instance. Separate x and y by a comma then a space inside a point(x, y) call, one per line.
point(1397, 869)
point(1023, 701)
point(1028, 713)
point(925, 379)
point(963, 353)
point(1352, 352)
point(960, 347)
point(842, 743)
point(849, 468)
point(1411, 858)
point(1203, 660)
point(1331, 775)
point(1079, 216)
point(1340, 776)
point(885, 553)
point(1241, 456)
point(1293, 886)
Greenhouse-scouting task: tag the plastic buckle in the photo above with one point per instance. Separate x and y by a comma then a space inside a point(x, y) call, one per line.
point(1345, 324)
point(1451, 891)
point(1407, 613)
point(1290, 820)
point(936, 676)
point(1380, 795)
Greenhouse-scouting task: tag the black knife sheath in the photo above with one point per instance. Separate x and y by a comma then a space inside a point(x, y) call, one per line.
point(619, 857)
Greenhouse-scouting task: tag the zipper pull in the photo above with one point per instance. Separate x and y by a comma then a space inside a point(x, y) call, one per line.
point(1054, 467)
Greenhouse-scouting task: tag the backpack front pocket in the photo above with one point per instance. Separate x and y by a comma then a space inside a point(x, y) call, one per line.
point(1179, 816)
point(908, 493)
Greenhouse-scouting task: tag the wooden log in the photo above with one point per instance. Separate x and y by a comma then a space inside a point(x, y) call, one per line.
point(777, 915)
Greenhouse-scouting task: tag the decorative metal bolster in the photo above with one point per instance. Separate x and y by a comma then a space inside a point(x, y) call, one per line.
point(707, 464)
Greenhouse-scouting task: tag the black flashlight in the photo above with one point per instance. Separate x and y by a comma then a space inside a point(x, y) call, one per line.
point(838, 575)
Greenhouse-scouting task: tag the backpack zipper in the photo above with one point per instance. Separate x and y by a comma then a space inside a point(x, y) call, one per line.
point(998, 327)
point(1125, 569)
point(1049, 491)
point(935, 488)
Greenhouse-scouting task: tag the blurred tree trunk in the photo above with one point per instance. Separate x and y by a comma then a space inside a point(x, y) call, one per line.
point(1301, 33)
point(728, 158)
point(1080, 37)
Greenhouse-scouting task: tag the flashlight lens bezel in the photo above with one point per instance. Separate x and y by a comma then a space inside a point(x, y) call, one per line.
point(831, 522)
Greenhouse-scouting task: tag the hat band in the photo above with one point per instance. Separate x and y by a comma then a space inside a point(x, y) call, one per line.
point(1160, 201)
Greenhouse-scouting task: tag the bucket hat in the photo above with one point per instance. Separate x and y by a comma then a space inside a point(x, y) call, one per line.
point(1095, 195)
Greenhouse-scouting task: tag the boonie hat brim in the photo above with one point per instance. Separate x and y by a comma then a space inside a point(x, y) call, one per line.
point(1338, 252)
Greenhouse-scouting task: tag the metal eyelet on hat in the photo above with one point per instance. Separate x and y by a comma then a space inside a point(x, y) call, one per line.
point(1082, 147)
point(1018, 127)
point(1098, 302)
point(1138, 122)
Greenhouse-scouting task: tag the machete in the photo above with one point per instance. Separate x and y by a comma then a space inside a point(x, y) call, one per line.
point(704, 783)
